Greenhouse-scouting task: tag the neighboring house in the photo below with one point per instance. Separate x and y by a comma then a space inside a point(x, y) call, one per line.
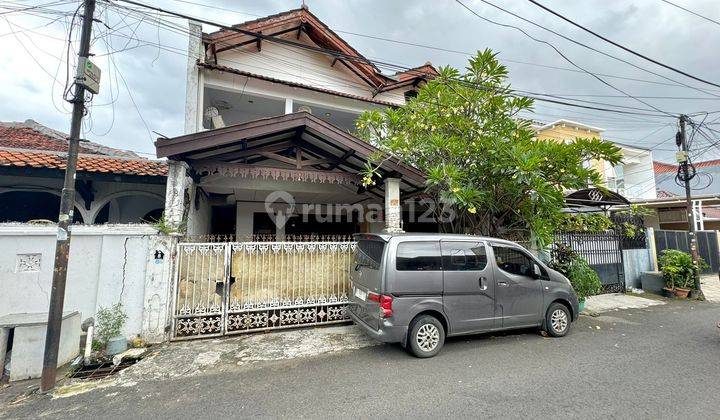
point(113, 186)
point(114, 258)
point(264, 117)
point(633, 178)
point(670, 205)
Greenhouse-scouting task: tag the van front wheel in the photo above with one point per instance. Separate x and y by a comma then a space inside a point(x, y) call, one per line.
point(426, 337)
point(557, 320)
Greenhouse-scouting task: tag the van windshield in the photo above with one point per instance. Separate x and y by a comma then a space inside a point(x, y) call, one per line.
point(369, 253)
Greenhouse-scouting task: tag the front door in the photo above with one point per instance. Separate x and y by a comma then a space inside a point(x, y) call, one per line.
point(468, 288)
point(518, 292)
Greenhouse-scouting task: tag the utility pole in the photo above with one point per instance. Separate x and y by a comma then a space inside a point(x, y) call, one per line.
point(67, 198)
point(683, 160)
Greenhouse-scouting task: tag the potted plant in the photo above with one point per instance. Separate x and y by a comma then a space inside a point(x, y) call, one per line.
point(679, 272)
point(110, 322)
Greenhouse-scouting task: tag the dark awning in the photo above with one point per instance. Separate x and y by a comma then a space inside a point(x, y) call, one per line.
point(595, 197)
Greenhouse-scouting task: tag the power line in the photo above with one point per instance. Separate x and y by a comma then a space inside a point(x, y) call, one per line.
point(691, 12)
point(560, 53)
point(509, 60)
point(337, 54)
point(622, 46)
point(591, 48)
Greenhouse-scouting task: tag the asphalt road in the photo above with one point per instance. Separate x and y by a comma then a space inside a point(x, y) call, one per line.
point(660, 362)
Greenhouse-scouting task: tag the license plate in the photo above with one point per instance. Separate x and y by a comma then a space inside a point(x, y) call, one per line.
point(360, 294)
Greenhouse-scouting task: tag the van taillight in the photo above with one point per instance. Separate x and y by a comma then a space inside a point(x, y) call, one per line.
point(385, 302)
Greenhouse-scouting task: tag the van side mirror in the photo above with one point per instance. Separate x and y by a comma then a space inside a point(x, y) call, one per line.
point(537, 273)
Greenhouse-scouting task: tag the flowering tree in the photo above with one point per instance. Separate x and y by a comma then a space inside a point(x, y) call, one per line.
point(481, 159)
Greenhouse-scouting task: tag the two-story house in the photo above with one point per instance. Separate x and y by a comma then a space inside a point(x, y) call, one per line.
point(265, 115)
point(269, 163)
point(633, 178)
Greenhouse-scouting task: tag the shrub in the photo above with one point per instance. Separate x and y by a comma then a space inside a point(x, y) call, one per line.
point(561, 258)
point(584, 222)
point(584, 279)
point(110, 322)
point(677, 268)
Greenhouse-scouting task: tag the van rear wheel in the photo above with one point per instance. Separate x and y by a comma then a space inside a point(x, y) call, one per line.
point(426, 336)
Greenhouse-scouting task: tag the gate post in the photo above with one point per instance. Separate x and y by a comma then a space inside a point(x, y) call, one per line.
point(652, 249)
point(226, 290)
point(157, 300)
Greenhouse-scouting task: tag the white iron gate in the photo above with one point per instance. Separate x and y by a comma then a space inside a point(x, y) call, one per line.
point(229, 288)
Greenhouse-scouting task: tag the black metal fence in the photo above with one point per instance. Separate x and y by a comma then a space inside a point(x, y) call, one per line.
point(680, 239)
point(603, 253)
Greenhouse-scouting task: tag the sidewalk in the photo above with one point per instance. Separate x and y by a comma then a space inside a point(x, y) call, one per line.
point(227, 354)
point(616, 301)
point(710, 284)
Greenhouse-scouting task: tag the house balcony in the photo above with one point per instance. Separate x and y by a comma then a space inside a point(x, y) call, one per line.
point(235, 107)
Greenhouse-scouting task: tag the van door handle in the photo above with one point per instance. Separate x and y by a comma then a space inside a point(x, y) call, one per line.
point(502, 283)
point(483, 283)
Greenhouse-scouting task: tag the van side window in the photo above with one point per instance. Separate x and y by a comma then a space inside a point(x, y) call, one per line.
point(463, 256)
point(418, 256)
point(513, 261)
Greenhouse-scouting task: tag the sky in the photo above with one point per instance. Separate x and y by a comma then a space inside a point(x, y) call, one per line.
point(143, 82)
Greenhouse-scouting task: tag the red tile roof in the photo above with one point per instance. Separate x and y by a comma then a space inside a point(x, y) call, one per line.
point(663, 168)
point(27, 138)
point(86, 163)
point(33, 145)
point(711, 212)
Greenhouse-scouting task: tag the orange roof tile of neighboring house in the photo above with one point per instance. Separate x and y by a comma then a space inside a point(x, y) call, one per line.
point(711, 212)
point(33, 145)
point(27, 138)
point(662, 167)
point(87, 163)
point(35, 136)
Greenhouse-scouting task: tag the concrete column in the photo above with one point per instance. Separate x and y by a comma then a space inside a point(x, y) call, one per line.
point(178, 194)
point(193, 87)
point(393, 211)
point(652, 250)
point(4, 337)
point(288, 106)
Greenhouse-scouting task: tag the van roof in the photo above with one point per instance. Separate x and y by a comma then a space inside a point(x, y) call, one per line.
point(427, 236)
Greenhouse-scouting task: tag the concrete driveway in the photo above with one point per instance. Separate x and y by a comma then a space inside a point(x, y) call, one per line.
point(654, 362)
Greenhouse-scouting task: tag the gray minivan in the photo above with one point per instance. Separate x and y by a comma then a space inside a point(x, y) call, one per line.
point(417, 289)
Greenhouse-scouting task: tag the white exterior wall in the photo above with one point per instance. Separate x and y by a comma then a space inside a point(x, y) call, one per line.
point(283, 63)
point(639, 174)
point(304, 67)
point(108, 264)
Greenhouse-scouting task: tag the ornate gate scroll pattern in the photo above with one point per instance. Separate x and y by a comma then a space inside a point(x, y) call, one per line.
point(240, 287)
point(288, 284)
point(201, 276)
